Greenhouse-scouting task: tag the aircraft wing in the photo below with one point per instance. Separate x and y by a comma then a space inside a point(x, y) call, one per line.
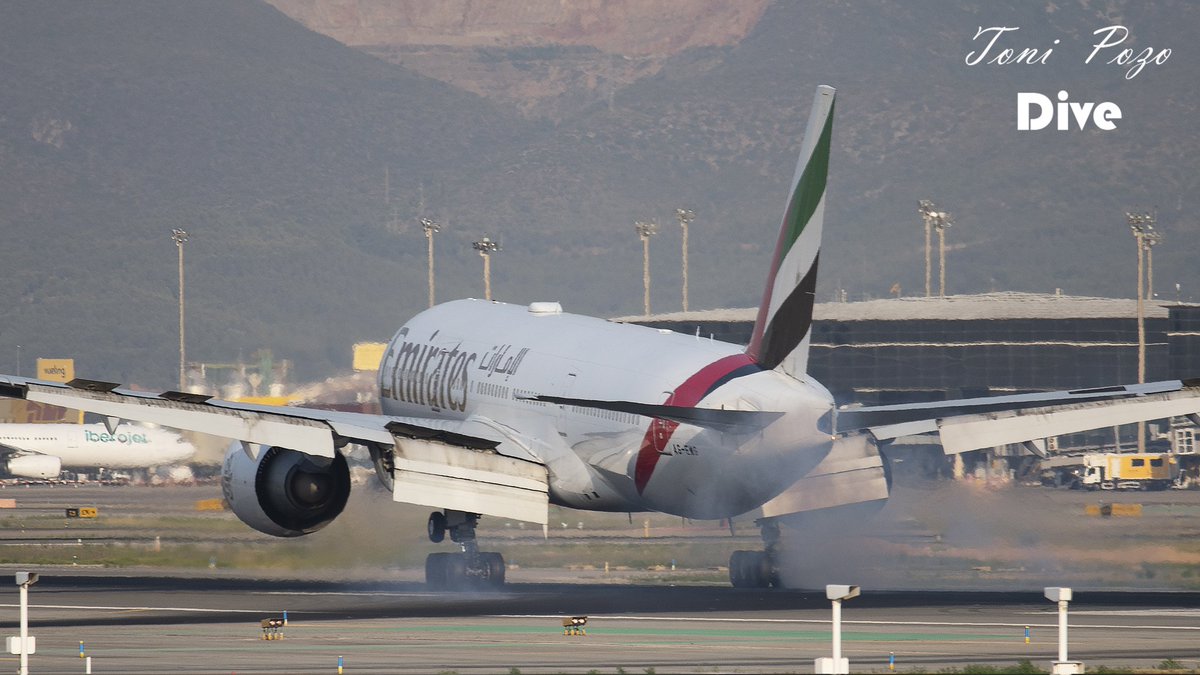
point(473, 465)
point(975, 423)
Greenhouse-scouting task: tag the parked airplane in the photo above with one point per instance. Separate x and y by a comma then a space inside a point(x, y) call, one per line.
point(491, 409)
point(44, 450)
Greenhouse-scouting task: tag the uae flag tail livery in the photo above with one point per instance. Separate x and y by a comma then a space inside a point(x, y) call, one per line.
point(784, 325)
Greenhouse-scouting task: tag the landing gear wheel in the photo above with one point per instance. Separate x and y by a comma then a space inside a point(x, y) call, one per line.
point(437, 527)
point(446, 571)
point(737, 569)
point(435, 570)
point(456, 571)
point(751, 569)
point(471, 568)
point(494, 564)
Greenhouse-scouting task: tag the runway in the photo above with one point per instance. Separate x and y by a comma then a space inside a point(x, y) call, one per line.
point(205, 625)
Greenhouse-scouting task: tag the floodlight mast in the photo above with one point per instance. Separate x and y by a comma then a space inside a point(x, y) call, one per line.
point(645, 230)
point(941, 222)
point(927, 209)
point(1139, 225)
point(685, 216)
point(1150, 239)
point(431, 228)
point(179, 237)
point(486, 248)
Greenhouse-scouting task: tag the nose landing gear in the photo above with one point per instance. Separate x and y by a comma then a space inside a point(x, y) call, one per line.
point(471, 568)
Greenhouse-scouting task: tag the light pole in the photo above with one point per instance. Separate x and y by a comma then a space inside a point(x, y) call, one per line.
point(486, 248)
point(927, 209)
point(646, 230)
point(941, 222)
point(179, 237)
point(685, 216)
point(1139, 225)
point(1150, 239)
point(430, 227)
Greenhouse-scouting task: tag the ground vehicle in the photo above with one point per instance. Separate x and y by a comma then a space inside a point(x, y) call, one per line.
point(1135, 471)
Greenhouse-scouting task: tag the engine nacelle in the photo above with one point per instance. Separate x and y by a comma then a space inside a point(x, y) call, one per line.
point(285, 493)
point(34, 466)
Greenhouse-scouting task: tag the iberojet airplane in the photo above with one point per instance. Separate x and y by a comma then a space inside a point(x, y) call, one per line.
point(44, 450)
point(492, 409)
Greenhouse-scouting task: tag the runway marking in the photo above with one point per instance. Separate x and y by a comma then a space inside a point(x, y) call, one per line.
point(108, 608)
point(860, 622)
point(372, 594)
point(1137, 612)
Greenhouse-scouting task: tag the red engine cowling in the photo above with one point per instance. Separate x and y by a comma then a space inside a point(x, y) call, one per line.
point(284, 492)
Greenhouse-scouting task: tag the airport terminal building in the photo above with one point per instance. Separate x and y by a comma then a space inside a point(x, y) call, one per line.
point(900, 350)
point(923, 349)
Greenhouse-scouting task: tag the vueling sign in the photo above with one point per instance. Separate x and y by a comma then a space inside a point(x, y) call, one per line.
point(56, 370)
point(121, 438)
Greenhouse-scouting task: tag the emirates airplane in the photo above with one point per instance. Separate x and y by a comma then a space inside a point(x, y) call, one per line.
point(493, 409)
point(44, 450)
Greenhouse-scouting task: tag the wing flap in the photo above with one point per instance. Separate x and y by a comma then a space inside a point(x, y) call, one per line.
point(972, 424)
point(439, 475)
point(972, 432)
point(922, 415)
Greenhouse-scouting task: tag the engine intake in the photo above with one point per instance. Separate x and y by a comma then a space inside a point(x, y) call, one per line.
point(285, 493)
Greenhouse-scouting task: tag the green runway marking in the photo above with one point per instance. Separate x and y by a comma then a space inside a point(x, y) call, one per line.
point(913, 637)
point(712, 633)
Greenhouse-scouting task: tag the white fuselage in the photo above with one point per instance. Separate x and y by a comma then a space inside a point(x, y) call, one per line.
point(474, 359)
point(81, 446)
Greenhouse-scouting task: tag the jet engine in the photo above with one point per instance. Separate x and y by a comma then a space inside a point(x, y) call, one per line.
point(34, 466)
point(283, 492)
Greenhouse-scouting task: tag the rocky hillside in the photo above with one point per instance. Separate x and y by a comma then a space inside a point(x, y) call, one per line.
point(547, 58)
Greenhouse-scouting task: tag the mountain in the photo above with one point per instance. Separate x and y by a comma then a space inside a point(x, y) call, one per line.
point(547, 58)
point(266, 142)
point(269, 144)
point(718, 130)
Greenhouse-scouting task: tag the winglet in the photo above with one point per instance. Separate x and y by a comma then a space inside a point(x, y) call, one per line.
point(783, 328)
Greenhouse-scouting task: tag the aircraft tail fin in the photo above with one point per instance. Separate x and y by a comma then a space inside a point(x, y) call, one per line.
point(784, 324)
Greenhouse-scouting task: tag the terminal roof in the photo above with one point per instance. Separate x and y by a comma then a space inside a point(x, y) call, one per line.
point(1007, 305)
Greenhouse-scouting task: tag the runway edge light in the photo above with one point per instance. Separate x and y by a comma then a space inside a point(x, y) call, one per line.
point(1062, 596)
point(1057, 594)
point(841, 592)
point(24, 644)
point(837, 665)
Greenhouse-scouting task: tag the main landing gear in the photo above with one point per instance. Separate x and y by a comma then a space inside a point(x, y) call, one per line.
point(471, 568)
point(758, 569)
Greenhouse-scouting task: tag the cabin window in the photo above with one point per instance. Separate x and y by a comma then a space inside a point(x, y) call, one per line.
point(1156, 462)
point(1137, 462)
